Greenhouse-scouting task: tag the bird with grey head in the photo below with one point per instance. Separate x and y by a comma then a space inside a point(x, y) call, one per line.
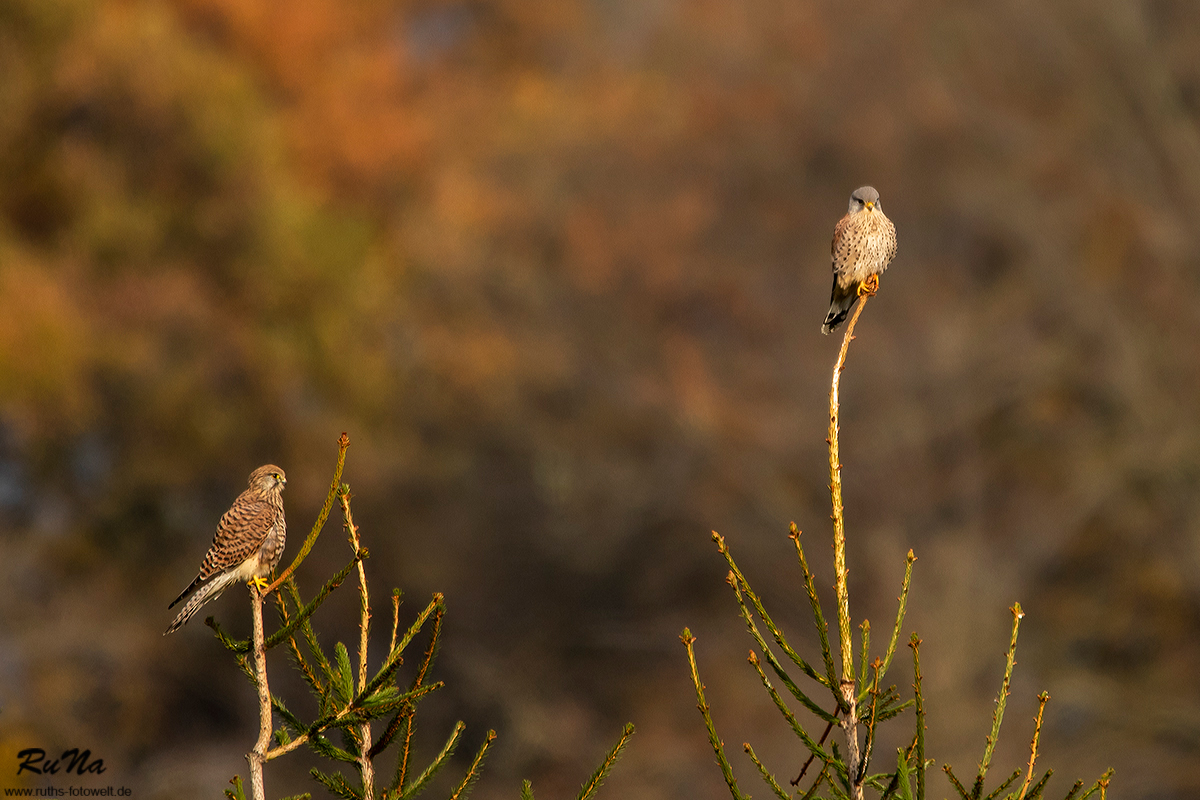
point(864, 243)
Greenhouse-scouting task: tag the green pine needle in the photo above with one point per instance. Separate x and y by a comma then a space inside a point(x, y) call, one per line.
point(593, 783)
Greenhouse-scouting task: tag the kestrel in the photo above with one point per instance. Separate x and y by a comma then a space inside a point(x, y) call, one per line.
point(864, 241)
point(248, 544)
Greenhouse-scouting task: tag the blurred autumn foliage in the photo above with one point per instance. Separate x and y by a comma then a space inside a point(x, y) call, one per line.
point(559, 268)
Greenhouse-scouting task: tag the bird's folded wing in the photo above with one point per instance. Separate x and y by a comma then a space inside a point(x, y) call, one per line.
point(240, 534)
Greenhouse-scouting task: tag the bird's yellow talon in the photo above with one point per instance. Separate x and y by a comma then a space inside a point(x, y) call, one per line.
point(868, 287)
point(260, 583)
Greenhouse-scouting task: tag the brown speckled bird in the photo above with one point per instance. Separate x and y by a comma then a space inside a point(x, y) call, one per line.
point(864, 241)
point(248, 545)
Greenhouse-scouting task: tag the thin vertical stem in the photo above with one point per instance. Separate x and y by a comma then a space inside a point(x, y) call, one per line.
point(1043, 698)
point(702, 704)
point(258, 756)
point(1001, 700)
point(919, 740)
point(865, 653)
point(848, 685)
point(395, 618)
point(872, 718)
point(818, 618)
point(366, 766)
point(909, 560)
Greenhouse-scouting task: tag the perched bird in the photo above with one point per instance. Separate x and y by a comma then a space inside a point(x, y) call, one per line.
point(248, 544)
point(864, 241)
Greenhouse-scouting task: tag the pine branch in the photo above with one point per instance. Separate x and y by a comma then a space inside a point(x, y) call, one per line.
point(1001, 701)
point(405, 720)
point(872, 719)
point(766, 618)
point(818, 617)
point(909, 560)
point(306, 612)
point(435, 766)
point(799, 694)
point(1009, 781)
point(297, 656)
point(336, 784)
point(593, 783)
point(795, 725)
point(718, 748)
point(1043, 698)
point(343, 445)
point(958, 787)
point(766, 774)
point(864, 656)
point(237, 792)
point(1101, 786)
point(472, 775)
point(919, 739)
point(823, 775)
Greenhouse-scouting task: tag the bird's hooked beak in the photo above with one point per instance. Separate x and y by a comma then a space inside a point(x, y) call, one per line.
point(870, 204)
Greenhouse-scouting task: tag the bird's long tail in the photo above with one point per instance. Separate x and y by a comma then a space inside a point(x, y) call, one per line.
point(839, 308)
point(206, 592)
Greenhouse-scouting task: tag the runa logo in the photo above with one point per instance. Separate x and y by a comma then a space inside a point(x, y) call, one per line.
point(71, 761)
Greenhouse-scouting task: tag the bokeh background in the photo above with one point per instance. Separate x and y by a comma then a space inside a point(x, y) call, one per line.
point(559, 270)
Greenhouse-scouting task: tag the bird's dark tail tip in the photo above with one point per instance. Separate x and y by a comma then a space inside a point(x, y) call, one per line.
point(839, 308)
point(835, 317)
